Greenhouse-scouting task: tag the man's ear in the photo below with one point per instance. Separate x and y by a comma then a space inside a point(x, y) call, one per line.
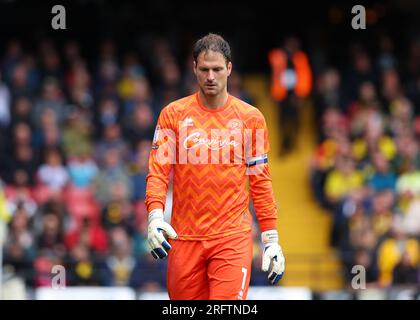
point(195, 67)
point(229, 68)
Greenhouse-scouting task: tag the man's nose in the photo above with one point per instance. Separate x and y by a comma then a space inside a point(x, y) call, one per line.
point(210, 76)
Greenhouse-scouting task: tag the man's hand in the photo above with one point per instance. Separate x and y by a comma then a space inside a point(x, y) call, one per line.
point(273, 259)
point(157, 242)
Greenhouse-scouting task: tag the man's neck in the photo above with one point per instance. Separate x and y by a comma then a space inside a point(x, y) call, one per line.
point(214, 102)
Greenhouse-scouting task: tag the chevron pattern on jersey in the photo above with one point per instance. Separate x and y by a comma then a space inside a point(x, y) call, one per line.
point(211, 200)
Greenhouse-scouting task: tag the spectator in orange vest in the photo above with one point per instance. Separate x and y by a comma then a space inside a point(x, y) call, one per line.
point(291, 81)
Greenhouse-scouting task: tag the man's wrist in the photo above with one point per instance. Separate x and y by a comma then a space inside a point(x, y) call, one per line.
point(156, 204)
point(155, 214)
point(270, 236)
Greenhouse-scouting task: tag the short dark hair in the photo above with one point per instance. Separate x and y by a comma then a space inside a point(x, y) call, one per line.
point(213, 42)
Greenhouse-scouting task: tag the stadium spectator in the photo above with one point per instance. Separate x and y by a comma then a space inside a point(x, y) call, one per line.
point(404, 272)
point(392, 250)
point(112, 172)
point(119, 263)
point(85, 269)
point(138, 125)
point(236, 87)
point(382, 178)
point(53, 173)
point(360, 72)
point(364, 257)
point(411, 218)
point(111, 139)
point(291, 82)
point(90, 235)
point(342, 180)
point(82, 170)
point(328, 96)
point(108, 113)
point(147, 276)
point(118, 211)
point(21, 111)
point(20, 193)
point(19, 83)
point(24, 159)
point(51, 238)
point(51, 104)
point(19, 247)
point(76, 134)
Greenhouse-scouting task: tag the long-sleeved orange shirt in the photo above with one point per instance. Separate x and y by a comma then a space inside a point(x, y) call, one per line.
point(212, 153)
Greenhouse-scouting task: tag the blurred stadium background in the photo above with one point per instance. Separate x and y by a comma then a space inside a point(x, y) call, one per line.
point(78, 109)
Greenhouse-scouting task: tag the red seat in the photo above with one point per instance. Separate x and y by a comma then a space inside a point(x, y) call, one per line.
point(41, 193)
point(80, 209)
point(73, 194)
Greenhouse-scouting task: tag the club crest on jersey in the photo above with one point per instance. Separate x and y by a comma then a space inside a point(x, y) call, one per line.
point(234, 125)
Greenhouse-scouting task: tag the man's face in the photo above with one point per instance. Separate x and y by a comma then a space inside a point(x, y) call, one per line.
point(212, 72)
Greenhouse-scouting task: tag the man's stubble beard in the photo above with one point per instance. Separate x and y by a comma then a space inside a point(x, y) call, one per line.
point(213, 93)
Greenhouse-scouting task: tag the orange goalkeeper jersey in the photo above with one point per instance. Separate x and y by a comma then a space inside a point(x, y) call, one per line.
point(212, 153)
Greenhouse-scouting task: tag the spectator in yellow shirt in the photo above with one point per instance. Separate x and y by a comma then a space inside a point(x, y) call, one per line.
point(392, 250)
point(344, 179)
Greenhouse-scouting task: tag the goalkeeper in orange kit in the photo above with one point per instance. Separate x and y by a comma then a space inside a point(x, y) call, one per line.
point(213, 142)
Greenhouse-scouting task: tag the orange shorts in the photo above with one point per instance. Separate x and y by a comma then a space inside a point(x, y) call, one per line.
point(216, 269)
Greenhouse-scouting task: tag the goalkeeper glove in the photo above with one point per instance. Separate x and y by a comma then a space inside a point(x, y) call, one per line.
point(157, 242)
point(273, 259)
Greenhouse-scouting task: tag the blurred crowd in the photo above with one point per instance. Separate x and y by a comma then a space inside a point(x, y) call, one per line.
point(366, 166)
point(75, 136)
